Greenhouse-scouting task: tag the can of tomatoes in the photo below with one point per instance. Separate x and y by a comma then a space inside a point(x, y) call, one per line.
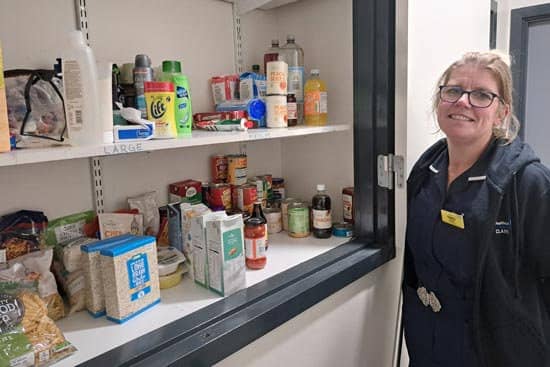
point(220, 196)
point(218, 165)
point(246, 196)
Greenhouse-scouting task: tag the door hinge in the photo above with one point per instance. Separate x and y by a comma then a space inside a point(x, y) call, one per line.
point(391, 171)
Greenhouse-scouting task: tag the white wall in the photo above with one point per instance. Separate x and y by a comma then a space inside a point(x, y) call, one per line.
point(440, 31)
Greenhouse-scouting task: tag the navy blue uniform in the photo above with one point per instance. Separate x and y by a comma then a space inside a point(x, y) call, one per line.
point(444, 258)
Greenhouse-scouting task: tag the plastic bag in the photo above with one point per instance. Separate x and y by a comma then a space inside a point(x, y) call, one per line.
point(28, 337)
point(69, 227)
point(21, 232)
point(73, 286)
point(147, 205)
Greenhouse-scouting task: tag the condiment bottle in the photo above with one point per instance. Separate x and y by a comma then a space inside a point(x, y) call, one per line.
point(322, 218)
point(292, 110)
point(255, 238)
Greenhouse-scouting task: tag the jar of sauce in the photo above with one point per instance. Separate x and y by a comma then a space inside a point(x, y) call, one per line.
point(255, 238)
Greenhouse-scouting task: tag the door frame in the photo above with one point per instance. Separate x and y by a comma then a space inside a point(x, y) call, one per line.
point(520, 21)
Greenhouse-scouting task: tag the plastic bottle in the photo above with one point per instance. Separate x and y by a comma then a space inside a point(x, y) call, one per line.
point(171, 72)
point(315, 107)
point(80, 81)
point(271, 54)
point(255, 238)
point(322, 218)
point(292, 113)
point(143, 72)
point(293, 55)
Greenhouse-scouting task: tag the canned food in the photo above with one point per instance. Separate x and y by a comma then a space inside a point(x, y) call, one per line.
point(298, 220)
point(220, 196)
point(268, 185)
point(218, 164)
point(274, 220)
point(284, 211)
point(278, 188)
point(277, 76)
point(276, 111)
point(261, 187)
point(342, 230)
point(236, 169)
point(246, 196)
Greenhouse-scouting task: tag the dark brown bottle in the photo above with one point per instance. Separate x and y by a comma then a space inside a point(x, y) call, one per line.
point(321, 213)
point(292, 110)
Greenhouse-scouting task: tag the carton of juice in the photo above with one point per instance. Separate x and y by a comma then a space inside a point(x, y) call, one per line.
point(160, 99)
point(4, 126)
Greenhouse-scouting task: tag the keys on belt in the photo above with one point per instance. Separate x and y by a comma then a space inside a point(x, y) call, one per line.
point(428, 299)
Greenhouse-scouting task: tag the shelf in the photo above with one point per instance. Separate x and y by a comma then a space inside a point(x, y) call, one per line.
point(198, 138)
point(245, 6)
point(82, 330)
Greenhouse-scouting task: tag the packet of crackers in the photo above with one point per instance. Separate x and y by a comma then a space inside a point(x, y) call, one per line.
point(28, 337)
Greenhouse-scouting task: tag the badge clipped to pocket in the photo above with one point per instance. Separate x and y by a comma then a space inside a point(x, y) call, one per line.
point(453, 219)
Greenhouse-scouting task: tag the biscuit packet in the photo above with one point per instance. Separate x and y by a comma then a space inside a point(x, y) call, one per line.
point(28, 337)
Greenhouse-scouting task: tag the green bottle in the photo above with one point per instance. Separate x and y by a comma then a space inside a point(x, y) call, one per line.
point(171, 72)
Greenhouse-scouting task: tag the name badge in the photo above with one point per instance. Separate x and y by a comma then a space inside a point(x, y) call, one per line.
point(453, 219)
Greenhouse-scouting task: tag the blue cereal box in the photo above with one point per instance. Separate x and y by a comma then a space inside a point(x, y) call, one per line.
point(130, 277)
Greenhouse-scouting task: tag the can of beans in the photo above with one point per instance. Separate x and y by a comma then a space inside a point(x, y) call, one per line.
point(261, 187)
point(268, 186)
point(246, 196)
point(220, 196)
point(218, 165)
point(236, 169)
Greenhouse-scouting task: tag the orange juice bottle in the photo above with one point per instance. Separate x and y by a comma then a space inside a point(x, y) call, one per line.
point(315, 104)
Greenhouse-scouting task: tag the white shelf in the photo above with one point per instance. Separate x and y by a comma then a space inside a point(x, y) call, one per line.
point(244, 6)
point(83, 331)
point(198, 138)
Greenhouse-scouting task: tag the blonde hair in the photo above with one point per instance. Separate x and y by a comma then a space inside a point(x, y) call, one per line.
point(498, 63)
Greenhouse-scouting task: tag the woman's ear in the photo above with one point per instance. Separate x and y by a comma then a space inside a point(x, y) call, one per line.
point(503, 112)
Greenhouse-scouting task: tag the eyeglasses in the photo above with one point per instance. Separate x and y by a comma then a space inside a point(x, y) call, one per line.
point(477, 98)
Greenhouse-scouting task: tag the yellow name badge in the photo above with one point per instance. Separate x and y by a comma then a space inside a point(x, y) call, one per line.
point(454, 219)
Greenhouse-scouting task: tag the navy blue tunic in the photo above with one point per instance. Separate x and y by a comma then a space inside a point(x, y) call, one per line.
point(444, 258)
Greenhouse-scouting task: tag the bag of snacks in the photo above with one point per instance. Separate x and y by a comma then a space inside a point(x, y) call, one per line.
point(72, 284)
point(36, 267)
point(21, 232)
point(28, 337)
point(70, 227)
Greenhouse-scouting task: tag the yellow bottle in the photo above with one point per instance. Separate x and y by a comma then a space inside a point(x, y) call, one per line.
point(315, 102)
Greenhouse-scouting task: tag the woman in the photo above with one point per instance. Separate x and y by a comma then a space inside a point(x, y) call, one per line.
point(477, 261)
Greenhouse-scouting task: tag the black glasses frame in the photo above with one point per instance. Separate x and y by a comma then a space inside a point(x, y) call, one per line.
point(469, 93)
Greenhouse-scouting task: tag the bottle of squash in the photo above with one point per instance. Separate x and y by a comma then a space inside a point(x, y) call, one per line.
point(315, 105)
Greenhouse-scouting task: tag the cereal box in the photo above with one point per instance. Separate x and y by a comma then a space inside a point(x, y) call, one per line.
point(130, 277)
point(95, 299)
point(225, 247)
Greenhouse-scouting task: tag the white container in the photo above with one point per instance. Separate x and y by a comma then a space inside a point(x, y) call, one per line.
point(105, 97)
point(277, 74)
point(169, 259)
point(80, 89)
point(276, 111)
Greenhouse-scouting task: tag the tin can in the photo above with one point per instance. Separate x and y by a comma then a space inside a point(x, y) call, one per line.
point(278, 188)
point(236, 169)
point(342, 230)
point(274, 220)
point(246, 196)
point(277, 77)
point(268, 185)
point(218, 165)
point(205, 193)
point(220, 196)
point(284, 211)
point(298, 220)
point(261, 187)
point(276, 111)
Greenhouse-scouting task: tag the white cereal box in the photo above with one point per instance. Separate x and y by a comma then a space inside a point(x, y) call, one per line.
point(226, 262)
point(198, 246)
point(189, 211)
point(130, 278)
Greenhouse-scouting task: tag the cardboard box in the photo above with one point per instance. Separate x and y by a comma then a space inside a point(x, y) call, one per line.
point(198, 244)
point(4, 125)
point(226, 262)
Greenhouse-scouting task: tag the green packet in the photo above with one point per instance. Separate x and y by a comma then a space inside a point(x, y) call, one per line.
point(70, 227)
point(16, 349)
